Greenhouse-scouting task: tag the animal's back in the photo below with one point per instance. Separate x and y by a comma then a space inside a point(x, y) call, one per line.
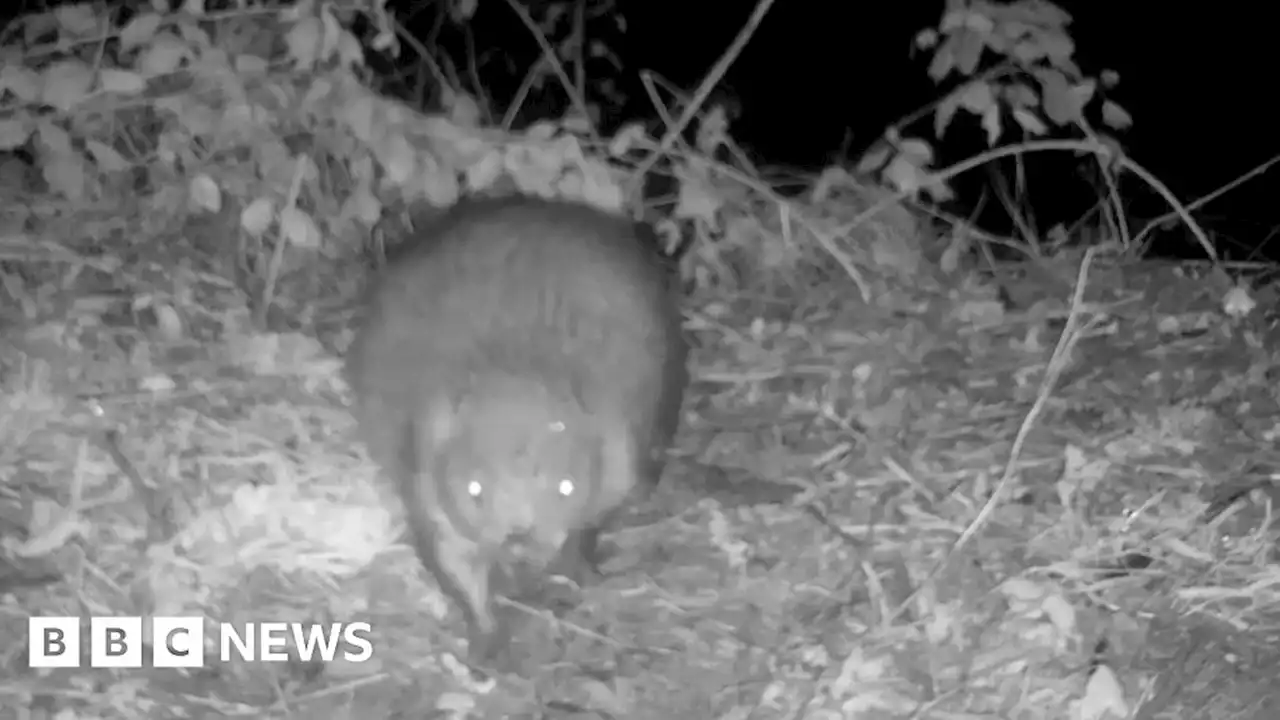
point(529, 287)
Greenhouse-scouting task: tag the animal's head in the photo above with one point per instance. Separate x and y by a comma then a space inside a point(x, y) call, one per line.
point(516, 464)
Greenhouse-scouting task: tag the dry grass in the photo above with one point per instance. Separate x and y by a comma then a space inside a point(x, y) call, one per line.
point(803, 560)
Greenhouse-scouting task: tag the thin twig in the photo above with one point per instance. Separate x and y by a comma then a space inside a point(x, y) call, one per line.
point(704, 91)
point(1200, 202)
point(1053, 370)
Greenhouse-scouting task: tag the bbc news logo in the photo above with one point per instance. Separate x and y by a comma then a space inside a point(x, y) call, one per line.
point(179, 642)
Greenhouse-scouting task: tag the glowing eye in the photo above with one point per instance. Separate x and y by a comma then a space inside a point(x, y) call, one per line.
point(556, 426)
point(475, 490)
point(566, 487)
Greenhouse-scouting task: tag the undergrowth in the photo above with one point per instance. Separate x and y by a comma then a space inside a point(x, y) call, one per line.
point(908, 484)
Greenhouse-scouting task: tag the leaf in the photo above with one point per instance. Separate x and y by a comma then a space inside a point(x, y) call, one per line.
point(628, 137)
point(944, 114)
point(1059, 48)
point(303, 41)
point(51, 527)
point(956, 249)
point(1020, 95)
point(350, 52)
point(251, 65)
point(358, 116)
point(939, 191)
point(204, 194)
point(991, 123)
point(401, 162)
point(299, 229)
point(1060, 103)
point(1022, 590)
point(463, 10)
point(440, 187)
point(919, 150)
point(875, 158)
point(971, 46)
point(1115, 116)
point(604, 698)
point(331, 34)
point(905, 176)
point(21, 81)
point(66, 174)
point(943, 60)
point(979, 22)
point(363, 206)
point(541, 131)
point(1029, 122)
point(1084, 92)
point(168, 325)
point(1061, 614)
point(78, 19)
point(256, 218)
point(139, 30)
point(576, 122)
point(256, 352)
point(695, 200)
point(37, 25)
point(385, 41)
point(66, 83)
point(984, 313)
point(952, 20)
point(455, 702)
point(54, 139)
point(123, 82)
point(14, 131)
point(464, 110)
point(164, 56)
point(1103, 697)
point(888, 250)
point(106, 156)
point(599, 188)
point(977, 96)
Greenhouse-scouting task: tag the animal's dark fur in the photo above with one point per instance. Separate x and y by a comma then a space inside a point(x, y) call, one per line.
point(519, 373)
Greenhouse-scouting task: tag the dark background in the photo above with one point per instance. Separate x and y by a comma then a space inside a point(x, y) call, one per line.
point(820, 81)
point(1197, 81)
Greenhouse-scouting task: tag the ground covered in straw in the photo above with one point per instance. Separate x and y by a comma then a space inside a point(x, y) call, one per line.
point(907, 507)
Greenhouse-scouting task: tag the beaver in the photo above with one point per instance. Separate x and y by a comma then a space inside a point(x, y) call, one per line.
point(519, 373)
